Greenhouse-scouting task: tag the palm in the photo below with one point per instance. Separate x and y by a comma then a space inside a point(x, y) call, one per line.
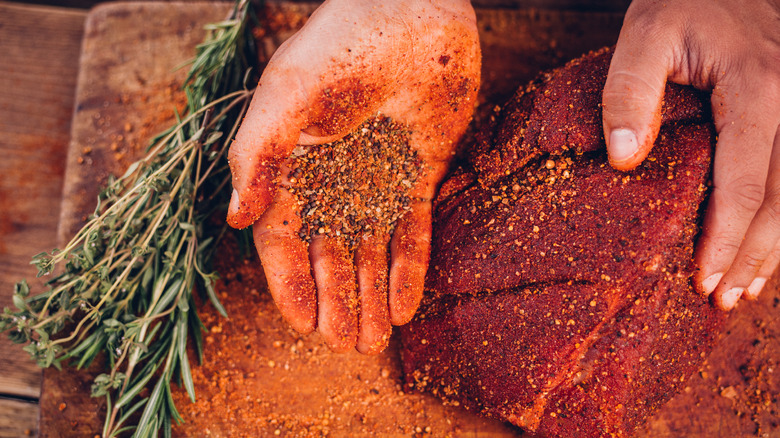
point(412, 61)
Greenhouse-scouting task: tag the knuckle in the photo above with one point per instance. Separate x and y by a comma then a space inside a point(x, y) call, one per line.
point(752, 261)
point(772, 261)
point(645, 92)
point(268, 233)
point(642, 20)
point(727, 243)
point(772, 84)
point(233, 153)
point(646, 24)
point(772, 206)
point(745, 194)
point(769, 91)
point(237, 155)
point(769, 61)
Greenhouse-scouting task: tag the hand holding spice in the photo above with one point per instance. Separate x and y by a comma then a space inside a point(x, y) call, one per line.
point(732, 49)
point(418, 64)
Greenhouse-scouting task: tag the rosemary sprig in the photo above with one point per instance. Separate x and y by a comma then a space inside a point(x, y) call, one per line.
point(126, 281)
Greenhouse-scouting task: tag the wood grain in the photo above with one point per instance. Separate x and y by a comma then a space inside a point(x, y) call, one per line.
point(131, 64)
point(129, 71)
point(18, 418)
point(126, 76)
point(287, 378)
point(40, 48)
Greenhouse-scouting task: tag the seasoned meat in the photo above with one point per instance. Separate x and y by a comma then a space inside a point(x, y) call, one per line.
point(559, 293)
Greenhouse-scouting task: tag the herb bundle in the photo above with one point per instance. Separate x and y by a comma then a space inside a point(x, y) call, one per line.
point(125, 282)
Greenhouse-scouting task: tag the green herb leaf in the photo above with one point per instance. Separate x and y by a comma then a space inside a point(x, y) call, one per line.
point(125, 283)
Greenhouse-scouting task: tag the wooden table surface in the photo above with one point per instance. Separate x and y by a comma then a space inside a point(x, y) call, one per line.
point(38, 67)
point(39, 58)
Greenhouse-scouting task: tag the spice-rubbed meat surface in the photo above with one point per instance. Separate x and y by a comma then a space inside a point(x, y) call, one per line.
point(559, 295)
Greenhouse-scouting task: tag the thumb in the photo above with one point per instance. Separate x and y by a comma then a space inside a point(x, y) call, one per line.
point(266, 137)
point(632, 99)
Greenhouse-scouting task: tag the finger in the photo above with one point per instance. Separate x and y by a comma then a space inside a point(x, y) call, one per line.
point(633, 95)
point(285, 260)
point(410, 251)
point(767, 270)
point(773, 260)
point(372, 264)
point(760, 240)
point(334, 275)
point(747, 125)
point(411, 241)
point(266, 137)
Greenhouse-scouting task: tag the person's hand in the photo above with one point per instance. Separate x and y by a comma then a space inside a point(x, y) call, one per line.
point(733, 49)
point(415, 61)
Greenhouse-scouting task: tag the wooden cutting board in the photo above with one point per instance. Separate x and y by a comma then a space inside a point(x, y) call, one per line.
point(275, 379)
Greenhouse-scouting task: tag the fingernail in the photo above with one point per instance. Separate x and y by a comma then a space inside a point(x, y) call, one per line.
point(730, 297)
point(710, 283)
point(622, 145)
point(234, 202)
point(755, 287)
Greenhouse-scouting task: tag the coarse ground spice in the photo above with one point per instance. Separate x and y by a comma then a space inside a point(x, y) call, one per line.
point(356, 186)
point(310, 391)
point(260, 378)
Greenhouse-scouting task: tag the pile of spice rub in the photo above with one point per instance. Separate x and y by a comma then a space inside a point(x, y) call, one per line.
point(359, 185)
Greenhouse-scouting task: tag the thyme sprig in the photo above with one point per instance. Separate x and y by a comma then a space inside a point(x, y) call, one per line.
point(124, 291)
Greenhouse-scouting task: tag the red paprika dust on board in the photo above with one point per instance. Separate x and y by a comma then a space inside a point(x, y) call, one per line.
point(356, 186)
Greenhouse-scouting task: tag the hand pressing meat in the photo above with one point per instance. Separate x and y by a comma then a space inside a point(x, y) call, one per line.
point(415, 61)
point(559, 293)
point(356, 57)
point(733, 49)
